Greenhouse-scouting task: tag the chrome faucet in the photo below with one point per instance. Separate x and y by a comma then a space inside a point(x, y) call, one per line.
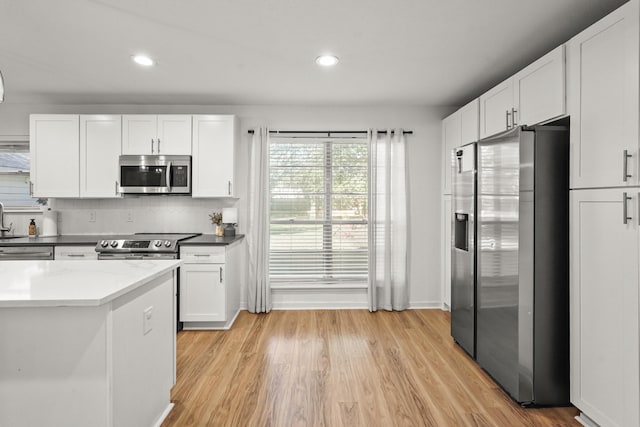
point(3, 229)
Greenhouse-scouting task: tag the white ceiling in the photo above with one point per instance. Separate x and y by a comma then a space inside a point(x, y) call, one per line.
point(392, 52)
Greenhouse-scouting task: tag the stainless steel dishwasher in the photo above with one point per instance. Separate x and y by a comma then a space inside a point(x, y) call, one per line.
point(14, 253)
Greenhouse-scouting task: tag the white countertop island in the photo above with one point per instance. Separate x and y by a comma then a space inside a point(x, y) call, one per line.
point(87, 343)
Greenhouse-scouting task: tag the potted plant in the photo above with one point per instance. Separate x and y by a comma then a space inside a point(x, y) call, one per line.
point(216, 218)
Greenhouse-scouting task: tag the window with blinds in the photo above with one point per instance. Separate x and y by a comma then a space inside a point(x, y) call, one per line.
point(318, 207)
point(14, 176)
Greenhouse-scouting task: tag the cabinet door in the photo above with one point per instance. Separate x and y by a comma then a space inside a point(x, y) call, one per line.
point(539, 92)
point(139, 132)
point(450, 140)
point(100, 145)
point(446, 251)
point(213, 155)
point(605, 375)
point(202, 293)
point(174, 134)
point(470, 122)
point(603, 100)
point(495, 109)
point(55, 155)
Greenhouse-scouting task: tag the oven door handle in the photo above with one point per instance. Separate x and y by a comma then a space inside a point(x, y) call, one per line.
point(169, 176)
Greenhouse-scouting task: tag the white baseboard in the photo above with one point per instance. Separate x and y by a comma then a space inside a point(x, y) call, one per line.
point(585, 420)
point(164, 415)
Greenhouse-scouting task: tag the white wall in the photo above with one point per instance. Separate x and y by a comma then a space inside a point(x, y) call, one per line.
point(168, 214)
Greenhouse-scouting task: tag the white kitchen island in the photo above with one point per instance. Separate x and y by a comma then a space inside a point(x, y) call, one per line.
point(86, 343)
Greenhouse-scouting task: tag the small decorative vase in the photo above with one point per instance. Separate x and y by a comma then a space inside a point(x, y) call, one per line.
point(219, 230)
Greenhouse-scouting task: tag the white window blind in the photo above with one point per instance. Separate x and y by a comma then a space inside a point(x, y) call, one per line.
point(14, 176)
point(318, 208)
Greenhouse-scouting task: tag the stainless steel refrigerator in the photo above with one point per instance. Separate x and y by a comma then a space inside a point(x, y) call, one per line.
point(463, 248)
point(522, 263)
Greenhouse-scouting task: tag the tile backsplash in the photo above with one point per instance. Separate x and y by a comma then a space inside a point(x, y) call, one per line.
point(155, 214)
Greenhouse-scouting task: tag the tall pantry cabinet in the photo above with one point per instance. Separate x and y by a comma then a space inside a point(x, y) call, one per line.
point(603, 99)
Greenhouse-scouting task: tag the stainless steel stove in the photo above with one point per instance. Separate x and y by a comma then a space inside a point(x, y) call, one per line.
point(142, 246)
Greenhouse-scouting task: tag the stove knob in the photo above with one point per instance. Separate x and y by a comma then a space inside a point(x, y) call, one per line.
point(167, 243)
point(114, 243)
point(104, 243)
point(157, 243)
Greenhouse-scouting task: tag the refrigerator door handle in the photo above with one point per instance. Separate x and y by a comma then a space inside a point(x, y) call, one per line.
point(625, 165)
point(625, 213)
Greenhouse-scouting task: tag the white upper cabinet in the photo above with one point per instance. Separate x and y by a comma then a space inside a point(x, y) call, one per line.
point(458, 129)
point(450, 140)
point(156, 134)
point(602, 64)
point(534, 95)
point(100, 144)
point(470, 122)
point(55, 153)
point(214, 141)
point(496, 107)
point(539, 90)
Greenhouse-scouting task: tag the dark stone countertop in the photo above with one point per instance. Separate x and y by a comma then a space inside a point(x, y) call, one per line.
point(211, 240)
point(64, 240)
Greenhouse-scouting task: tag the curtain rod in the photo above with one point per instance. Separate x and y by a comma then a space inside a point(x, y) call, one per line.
point(329, 132)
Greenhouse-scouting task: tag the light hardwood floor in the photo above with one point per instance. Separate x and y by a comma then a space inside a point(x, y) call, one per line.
point(340, 368)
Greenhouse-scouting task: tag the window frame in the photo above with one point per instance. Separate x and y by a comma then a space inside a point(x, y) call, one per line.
point(327, 222)
point(20, 145)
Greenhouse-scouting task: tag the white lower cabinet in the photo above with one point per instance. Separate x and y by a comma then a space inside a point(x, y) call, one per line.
point(605, 361)
point(209, 286)
point(76, 253)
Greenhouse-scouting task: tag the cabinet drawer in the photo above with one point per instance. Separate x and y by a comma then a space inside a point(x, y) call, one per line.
point(202, 254)
point(75, 253)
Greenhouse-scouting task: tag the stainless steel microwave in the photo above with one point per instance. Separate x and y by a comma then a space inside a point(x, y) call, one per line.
point(155, 174)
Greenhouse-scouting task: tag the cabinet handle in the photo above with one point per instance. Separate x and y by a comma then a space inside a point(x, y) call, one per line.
point(507, 115)
point(202, 255)
point(513, 117)
point(625, 214)
point(158, 145)
point(151, 145)
point(220, 274)
point(30, 188)
point(117, 191)
point(76, 255)
point(625, 165)
point(229, 190)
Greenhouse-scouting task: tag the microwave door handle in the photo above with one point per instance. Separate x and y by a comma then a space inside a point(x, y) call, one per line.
point(169, 176)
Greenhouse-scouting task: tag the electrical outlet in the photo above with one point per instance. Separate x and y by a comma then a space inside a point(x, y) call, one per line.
point(128, 216)
point(147, 320)
point(92, 216)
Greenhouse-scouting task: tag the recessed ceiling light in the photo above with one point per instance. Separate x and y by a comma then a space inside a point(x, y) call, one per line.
point(143, 60)
point(327, 60)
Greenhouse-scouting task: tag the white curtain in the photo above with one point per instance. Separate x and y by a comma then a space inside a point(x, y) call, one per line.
point(388, 206)
point(258, 289)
